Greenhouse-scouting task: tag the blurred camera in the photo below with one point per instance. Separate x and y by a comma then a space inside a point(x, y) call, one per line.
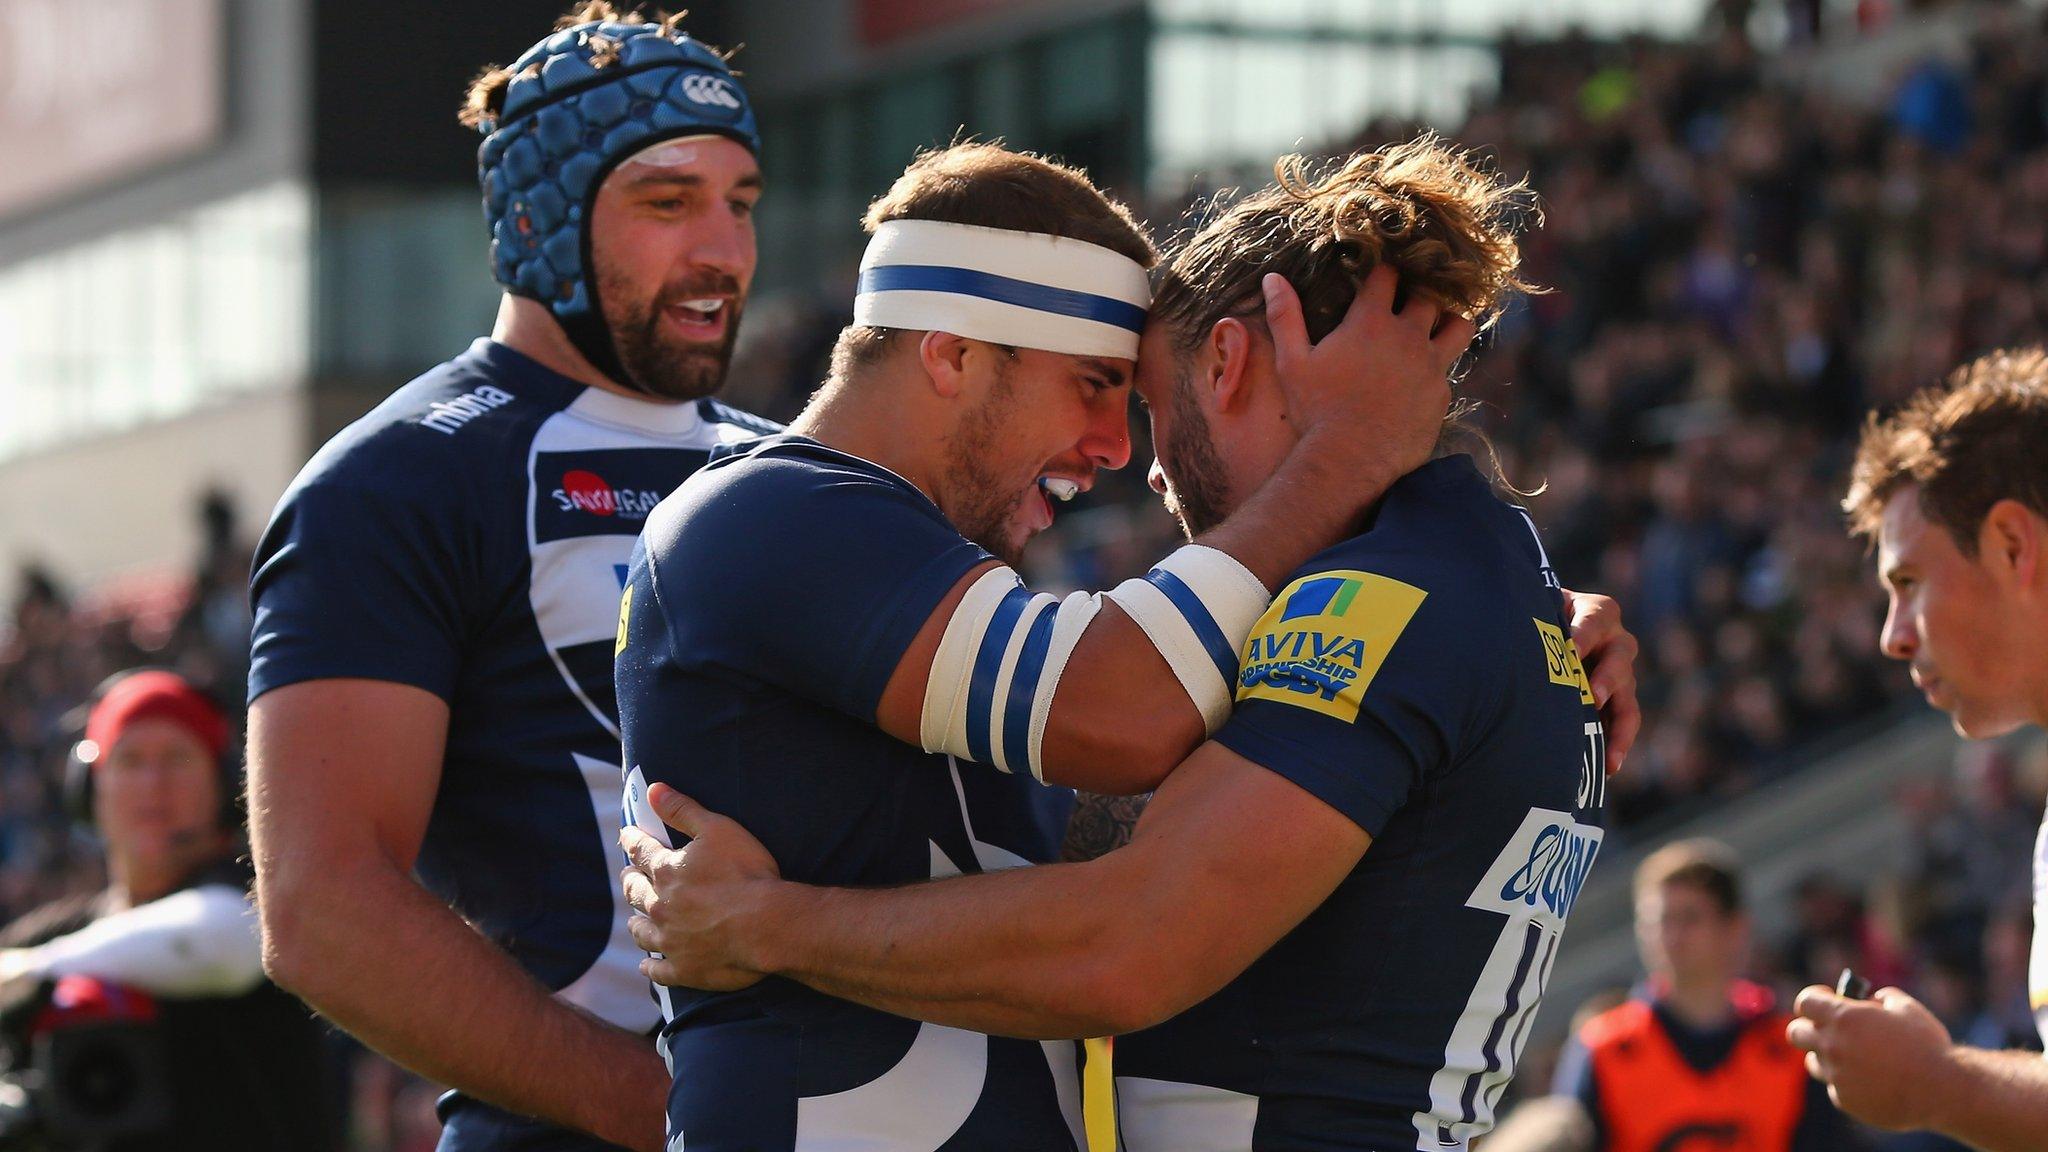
point(96, 1072)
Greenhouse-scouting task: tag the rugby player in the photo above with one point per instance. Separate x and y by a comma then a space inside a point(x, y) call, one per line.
point(1415, 684)
point(433, 745)
point(1953, 488)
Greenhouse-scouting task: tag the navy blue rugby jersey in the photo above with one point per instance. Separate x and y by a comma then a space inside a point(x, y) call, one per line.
point(469, 537)
point(1419, 679)
point(773, 597)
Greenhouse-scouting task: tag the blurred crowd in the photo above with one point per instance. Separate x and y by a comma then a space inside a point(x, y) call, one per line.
point(1740, 265)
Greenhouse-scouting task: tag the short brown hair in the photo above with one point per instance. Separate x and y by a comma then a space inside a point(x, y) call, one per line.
point(486, 94)
point(1426, 208)
point(988, 185)
point(1979, 438)
point(1706, 865)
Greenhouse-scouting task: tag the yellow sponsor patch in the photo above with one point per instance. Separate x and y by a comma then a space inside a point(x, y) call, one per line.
point(1561, 660)
point(1324, 639)
point(625, 611)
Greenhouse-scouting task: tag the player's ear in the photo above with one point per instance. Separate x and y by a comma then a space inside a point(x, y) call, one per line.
point(2010, 542)
point(944, 357)
point(1230, 357)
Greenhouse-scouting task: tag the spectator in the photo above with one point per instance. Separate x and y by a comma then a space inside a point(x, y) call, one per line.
point(237, 1060)
point(1699, 1051)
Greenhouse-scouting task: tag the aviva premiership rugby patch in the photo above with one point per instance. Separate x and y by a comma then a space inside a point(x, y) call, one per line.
point(1324, 639)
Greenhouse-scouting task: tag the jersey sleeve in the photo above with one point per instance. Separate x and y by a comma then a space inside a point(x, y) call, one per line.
point(1337, 692)
point(811, 579)
point(360, 575)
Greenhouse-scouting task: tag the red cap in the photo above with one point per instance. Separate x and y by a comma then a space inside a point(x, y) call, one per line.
point(156, 695)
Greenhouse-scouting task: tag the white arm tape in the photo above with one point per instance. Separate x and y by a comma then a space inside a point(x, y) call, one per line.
point(1197, 607)
point(200, 942)
point(997, 667)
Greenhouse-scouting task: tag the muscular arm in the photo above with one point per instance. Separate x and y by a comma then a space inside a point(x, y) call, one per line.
point(1227, 859)
point(1120, 720)
point(342, 777)
point(1101, 824)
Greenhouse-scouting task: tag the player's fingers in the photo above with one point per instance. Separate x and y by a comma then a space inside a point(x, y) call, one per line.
point(1453, 336)
point(1376, 294)
point(1420, 313)
point(1801, 1034)
point(640, 891)
point(1818, 1003)
point(1623, 720)
point(1612, 679)
point(1371, 305)
point(679, 811)
point(1284, 322)
point(1819, 1071)
point(639, 847)
point(662, 971)
point(645, 934)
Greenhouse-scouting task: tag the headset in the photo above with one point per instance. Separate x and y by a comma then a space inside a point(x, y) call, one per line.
point(77, 786)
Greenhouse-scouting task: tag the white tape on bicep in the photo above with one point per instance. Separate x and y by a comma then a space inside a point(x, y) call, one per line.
point(1200, 642)
point(942, 727)
point(1162, 623)
point(1075, 612)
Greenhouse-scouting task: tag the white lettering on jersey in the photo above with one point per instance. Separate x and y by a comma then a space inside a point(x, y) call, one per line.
point(1533, 882)
point(448, 416)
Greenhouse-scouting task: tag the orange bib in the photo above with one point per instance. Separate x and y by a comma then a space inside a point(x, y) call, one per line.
point(1651, 1100)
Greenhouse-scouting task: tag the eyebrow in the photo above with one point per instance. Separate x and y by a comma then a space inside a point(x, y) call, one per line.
point(751, 181)
point(1114, 371)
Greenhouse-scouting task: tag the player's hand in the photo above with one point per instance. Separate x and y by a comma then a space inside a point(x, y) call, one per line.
point(1376, 388)
point(1608, 651)
point(688, 902)
point(1882, 1058)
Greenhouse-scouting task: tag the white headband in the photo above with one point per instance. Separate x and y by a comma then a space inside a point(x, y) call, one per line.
point(1025, 289)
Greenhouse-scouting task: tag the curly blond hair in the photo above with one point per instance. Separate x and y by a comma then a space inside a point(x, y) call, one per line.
point(1426, 208)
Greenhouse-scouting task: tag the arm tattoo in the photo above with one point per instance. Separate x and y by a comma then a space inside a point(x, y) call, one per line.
point(1100, 823)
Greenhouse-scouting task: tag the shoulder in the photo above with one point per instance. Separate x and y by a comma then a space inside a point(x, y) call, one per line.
point(1444, 525)
point(453, 426)
point(1617, 1026)
point(777, 492)
point(718, 412)
point(1454, 561)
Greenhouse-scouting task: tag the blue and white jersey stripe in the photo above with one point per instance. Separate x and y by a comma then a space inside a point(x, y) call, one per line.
point(470, 537)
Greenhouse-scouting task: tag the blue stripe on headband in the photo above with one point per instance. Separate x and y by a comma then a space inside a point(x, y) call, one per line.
point(1003, 290)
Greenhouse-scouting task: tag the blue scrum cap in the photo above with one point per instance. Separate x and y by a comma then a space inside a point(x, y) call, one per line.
point(580, 103)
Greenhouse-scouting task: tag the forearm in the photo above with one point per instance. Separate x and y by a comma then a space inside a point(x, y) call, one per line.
point(201, 942)
point(1101, 824)
point(1030, 952)
point(1315, 499)
point(387, 961)
point(1995, 1101)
